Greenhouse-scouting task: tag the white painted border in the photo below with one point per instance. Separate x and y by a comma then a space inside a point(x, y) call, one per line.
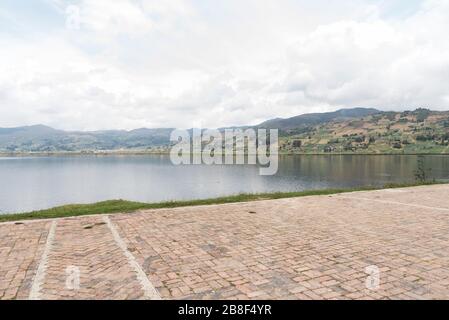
point(39, 277)
point(396, 203)
point(148, 288)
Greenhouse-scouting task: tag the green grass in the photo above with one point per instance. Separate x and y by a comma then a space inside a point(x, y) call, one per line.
point(116, 206)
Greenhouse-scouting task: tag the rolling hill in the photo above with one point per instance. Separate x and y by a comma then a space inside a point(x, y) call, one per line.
point(357, 130)
point(311, 119)
point(418, 131)
point(41, 138)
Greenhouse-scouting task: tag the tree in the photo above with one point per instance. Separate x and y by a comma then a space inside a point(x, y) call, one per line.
point(422, 114)
point(421, 173)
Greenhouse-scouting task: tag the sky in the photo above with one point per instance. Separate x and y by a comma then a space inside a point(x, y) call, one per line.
point(126, 64)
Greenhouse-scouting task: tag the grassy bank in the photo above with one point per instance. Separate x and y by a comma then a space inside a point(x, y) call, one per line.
point(116, 206)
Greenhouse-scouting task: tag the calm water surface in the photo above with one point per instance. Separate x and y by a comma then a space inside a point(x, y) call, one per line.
point(33, 183)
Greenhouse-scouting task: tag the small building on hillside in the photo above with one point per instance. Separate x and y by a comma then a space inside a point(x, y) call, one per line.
point(296, 143)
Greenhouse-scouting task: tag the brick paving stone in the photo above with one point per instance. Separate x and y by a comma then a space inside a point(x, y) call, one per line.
point(87, 244)
point(21, 246)
point(319, 246)
point(300, 248)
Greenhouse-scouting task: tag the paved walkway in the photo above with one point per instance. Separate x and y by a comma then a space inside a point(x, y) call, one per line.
point(391, 244)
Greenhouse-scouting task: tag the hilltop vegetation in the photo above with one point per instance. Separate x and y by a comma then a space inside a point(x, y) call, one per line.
point(357, 130)
point(419, 131)
point(311, 119)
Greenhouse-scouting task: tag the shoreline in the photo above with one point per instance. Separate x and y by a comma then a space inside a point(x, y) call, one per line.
point(123, 206)
point(144, 153)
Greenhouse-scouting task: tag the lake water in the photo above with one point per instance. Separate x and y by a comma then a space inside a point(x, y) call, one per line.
point(31, 183)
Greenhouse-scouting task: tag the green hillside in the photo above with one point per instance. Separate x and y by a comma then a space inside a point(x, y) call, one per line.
point(357, 130)
point(419, 131)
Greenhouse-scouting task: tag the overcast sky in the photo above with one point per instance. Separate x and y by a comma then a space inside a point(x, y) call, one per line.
point(125, 64)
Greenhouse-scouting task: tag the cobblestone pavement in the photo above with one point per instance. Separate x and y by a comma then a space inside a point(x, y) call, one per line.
point(389, 244)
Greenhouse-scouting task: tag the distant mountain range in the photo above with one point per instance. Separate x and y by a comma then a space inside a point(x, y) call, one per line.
point(311, 119)
point(41, 138)
point(345, 130)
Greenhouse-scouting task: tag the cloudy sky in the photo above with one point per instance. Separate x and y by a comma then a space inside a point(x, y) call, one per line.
point(125, 64)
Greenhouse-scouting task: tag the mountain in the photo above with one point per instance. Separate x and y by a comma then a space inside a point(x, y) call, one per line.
point(357, 130)
point(316, 118)
point(29, 131)
point(409, 132)
point(25, 137)
point(41, 138)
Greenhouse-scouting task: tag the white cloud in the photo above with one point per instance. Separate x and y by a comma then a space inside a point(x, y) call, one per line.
point(385, 64)
point(136, 63)
point(111, 18)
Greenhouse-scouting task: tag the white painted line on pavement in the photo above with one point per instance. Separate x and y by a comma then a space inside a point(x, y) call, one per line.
point(397, 203)
point(39, 277)
point(148, 288)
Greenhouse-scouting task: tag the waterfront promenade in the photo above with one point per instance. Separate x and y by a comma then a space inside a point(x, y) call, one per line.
point(387, 244)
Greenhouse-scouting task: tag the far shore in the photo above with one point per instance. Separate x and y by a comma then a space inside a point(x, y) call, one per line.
point(166, 153)
point(123, 206)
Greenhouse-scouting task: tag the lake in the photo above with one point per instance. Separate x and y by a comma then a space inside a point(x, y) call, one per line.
point(31, 183)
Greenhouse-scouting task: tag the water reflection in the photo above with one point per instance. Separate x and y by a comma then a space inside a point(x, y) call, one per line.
point(42, 182)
